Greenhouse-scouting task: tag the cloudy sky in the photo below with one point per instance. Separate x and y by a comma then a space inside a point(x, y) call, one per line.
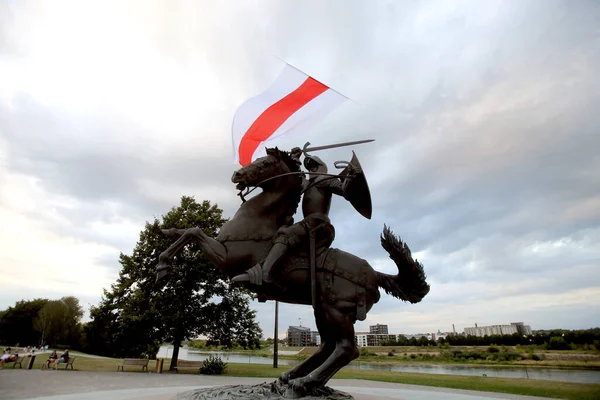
point(485, 116)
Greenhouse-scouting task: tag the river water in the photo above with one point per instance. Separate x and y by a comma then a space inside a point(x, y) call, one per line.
point(551, 374)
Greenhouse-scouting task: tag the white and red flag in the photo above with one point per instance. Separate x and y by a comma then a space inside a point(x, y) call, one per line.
point(293, 102)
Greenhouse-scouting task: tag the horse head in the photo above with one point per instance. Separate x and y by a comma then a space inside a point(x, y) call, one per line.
point(257, 173)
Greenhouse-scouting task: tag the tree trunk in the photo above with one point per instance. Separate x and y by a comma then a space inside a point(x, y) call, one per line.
point(176, 344)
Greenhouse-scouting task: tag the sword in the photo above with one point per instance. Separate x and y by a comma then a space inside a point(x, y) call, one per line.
point(306, 149)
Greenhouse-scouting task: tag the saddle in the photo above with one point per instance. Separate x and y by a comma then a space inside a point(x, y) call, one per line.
point(301, 260)
point(326, 261)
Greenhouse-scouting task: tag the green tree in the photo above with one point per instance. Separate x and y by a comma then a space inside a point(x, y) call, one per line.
point(136, 315)
point(245, 331)
point(16, 323)
point(59, 322)
point(423, 341)
point(557, 343)
point(66, 322)
point(402, 340)
point(99, 332)
point(41, 321)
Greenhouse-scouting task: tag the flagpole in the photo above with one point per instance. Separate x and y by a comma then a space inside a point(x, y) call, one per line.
point(298, 69)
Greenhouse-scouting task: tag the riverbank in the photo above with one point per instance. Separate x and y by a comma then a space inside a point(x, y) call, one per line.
point(507, 365)
point(481, 369)
point(470, 355)
point(563, 390)
point(424, 361)
point(512, 356)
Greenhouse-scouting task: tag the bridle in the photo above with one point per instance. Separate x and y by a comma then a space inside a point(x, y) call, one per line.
point(336, 164)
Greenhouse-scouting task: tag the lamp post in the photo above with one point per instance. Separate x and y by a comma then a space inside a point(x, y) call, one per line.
point(276, 340)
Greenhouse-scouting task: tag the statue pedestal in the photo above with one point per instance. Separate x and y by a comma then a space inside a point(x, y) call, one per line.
point(271, 391)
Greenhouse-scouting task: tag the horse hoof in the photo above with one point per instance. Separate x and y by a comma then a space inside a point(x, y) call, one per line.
point(295, 389)
point(161, 272)
point(241, 278)
point(284, 378)
point(294, 393)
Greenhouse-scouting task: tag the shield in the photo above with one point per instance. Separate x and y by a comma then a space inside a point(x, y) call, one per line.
point(357, 189)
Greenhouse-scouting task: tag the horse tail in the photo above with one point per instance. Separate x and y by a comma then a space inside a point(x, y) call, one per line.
point(410, 282)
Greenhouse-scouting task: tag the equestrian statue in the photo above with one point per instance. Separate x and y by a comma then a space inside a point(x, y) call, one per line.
point(263, 249)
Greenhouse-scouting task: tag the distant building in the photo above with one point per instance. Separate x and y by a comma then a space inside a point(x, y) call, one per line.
point(515, 327)
point(363, 339)
point(378, 329)
point(429, 336)
point(522, 329)
point(443, 335)
point(299, 336)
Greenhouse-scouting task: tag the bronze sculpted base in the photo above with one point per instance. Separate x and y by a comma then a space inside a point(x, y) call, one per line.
point(271, 391)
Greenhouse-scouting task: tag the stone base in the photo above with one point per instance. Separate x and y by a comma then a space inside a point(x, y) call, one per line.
point(271, 391)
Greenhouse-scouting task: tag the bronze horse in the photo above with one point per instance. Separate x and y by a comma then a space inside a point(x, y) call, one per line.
point(347, 286)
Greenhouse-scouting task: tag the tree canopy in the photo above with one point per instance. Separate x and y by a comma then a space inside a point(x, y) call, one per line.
point(136, 315)
point(42, 321)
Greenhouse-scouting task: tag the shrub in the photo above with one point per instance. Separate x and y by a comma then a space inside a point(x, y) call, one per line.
point(366, 353)
point(557, 343)
point(213, 365)
point(530, 350)
point(456, 353)
point(493, 349)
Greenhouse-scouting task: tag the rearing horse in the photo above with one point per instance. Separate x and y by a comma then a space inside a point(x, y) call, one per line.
point(346, 285)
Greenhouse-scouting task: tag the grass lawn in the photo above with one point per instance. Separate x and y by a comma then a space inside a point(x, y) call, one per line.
point(562, 390)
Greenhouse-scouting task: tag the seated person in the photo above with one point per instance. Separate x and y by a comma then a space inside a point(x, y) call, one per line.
point(7, 357)
point(51, 360)
point(64, 357)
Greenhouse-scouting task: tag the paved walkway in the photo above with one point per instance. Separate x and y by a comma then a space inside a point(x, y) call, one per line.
point(84, 385)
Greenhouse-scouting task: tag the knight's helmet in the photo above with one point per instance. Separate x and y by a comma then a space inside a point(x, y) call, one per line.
point(310, 160)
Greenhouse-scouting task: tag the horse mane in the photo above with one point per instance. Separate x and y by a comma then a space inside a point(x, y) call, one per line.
point(293, 166)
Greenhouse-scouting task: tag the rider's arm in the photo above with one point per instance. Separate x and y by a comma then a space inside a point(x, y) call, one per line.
point(305, 183)
point(333, 185)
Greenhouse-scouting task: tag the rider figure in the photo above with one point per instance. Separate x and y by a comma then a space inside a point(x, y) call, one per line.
point(318, 191)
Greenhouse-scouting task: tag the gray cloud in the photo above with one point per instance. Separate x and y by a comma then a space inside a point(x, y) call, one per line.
point(485, 120)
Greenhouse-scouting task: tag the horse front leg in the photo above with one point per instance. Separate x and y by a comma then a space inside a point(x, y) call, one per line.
point(342, 329)
point(213, 250)
point(323, 352)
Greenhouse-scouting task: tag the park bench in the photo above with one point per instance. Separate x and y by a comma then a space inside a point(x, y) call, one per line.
point(181, 364)
point(19, 360)
point(67, 363)
point(130, 362)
